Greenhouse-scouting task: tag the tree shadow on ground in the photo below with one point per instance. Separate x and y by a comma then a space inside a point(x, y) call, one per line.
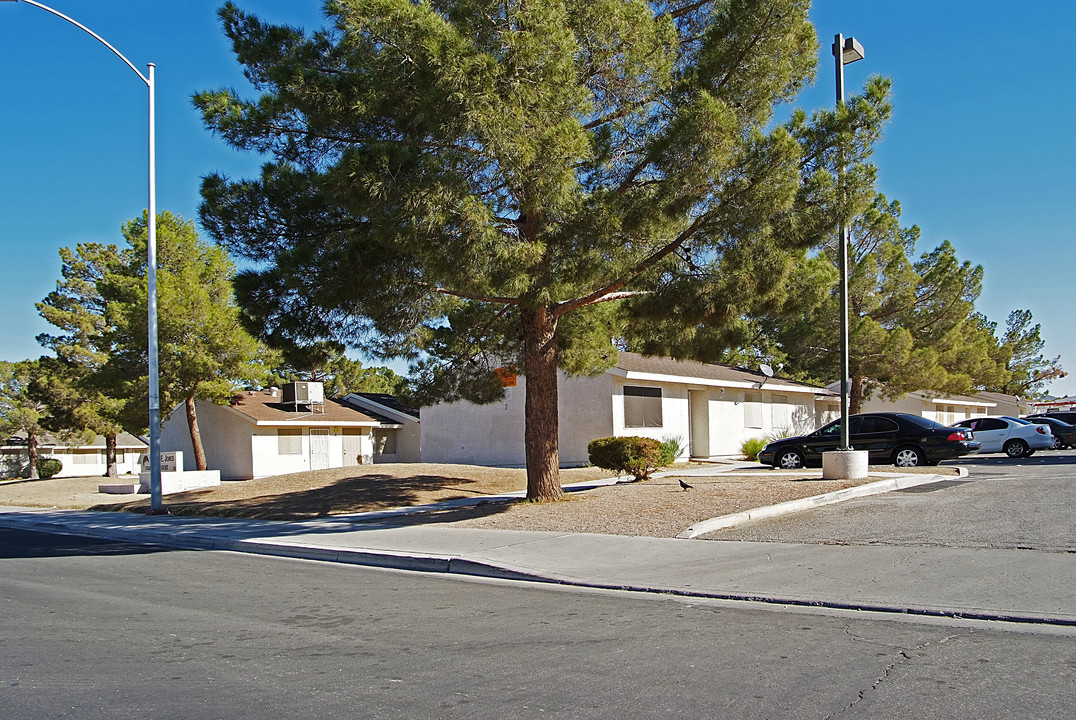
point(365, 493)
point(18, 543)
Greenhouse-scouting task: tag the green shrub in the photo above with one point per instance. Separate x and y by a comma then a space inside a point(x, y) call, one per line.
point(47, 467)
point(752, 447)
point(672, 447)
point(638, 456)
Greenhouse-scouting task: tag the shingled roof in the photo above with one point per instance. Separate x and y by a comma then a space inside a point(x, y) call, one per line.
point(265, 408)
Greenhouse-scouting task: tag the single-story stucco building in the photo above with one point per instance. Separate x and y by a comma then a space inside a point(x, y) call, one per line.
point(259, 434)
point(712, 409)
point(79, 460)
point(947, 409)
point(398, 439)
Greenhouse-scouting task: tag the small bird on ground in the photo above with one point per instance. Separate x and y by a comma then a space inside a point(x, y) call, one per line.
point(684, 485)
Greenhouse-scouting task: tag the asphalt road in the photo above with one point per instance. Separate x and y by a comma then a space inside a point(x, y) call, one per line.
point(1003, 503)
point(92, 629)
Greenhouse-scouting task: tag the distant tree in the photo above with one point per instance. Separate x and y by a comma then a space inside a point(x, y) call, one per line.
point(482, 184)
point(204, 352)
point(1021, 348)
point(21, 410)
point(78, 396)
point(911, 319)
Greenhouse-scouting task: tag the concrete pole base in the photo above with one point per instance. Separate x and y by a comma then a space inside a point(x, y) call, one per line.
point(844, 465)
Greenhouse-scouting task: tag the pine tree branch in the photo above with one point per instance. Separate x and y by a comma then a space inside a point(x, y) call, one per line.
point(601, 295)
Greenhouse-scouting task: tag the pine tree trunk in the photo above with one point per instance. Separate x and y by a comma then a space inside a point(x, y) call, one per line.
point(196, 436)
point(541, 434)
point(31, 452)
point(855, 394)
point(110, 456)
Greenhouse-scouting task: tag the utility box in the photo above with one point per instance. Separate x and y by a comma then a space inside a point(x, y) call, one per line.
point(311, 394)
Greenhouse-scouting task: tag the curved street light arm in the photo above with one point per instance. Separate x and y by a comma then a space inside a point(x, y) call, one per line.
point(97, 37)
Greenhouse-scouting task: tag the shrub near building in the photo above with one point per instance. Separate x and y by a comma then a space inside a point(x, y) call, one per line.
point(638, 456)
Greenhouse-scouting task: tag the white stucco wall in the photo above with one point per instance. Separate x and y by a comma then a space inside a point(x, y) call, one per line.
point(268, 461)
point(778, 412)
point(675, 412)
point(593, 407)
point(225, 438)
point(462, 432)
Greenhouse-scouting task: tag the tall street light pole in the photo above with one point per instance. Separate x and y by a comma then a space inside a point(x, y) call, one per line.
point(844, 52)
point(156, 505)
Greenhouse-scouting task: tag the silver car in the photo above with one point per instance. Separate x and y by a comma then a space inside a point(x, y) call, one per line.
point(1015, 437)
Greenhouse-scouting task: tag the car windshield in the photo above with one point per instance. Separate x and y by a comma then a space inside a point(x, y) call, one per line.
point(1016, 420)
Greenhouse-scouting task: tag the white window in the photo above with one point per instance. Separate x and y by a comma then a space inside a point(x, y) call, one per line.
point(289, 441)
point(780, 412)
point(86, 457)
point(642, 406)
point(752, 410)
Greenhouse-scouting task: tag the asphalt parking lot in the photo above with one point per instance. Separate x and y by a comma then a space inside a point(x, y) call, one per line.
point(1003, 503)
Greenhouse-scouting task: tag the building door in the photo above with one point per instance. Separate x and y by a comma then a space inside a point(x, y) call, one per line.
point(352, 446)
point(699, 423)
point(319, 448)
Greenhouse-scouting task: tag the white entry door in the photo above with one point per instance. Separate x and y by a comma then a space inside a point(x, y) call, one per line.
point(319, 448)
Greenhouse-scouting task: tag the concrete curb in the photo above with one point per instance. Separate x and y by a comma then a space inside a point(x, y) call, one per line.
point(898, 482)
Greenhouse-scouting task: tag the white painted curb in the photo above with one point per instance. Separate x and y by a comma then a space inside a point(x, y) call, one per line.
point(875, 488)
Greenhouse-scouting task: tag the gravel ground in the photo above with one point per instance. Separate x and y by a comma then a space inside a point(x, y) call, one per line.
point(655, 508)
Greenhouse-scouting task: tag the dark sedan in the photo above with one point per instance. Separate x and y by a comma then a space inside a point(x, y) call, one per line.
point(898, 438)
point(1064, 432)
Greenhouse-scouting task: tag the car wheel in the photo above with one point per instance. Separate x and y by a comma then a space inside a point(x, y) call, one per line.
point(788, 460)
point(908, 457)
point(1016, 449)
point(1058, 445)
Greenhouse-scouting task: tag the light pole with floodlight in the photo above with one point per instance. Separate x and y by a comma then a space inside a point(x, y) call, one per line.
point(844, 52)
point(156, 505)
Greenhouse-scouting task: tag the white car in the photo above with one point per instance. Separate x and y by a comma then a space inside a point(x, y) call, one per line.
point(1015, 437)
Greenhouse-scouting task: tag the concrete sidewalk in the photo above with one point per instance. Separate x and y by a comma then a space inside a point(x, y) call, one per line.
point(1008, 585)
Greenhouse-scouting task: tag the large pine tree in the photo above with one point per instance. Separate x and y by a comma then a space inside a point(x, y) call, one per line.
point(480, 183)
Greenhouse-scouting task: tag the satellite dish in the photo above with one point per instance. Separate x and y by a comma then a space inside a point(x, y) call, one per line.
point(767, 371)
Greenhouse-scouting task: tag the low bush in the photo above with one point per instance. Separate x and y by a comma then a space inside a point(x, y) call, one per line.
point(47, 467)
point(752, 447)
point(638, 456)
point(672, 447)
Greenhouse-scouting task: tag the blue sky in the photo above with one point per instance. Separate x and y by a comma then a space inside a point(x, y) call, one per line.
point(980, 149)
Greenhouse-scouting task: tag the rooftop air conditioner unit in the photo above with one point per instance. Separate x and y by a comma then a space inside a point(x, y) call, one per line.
point(303, 393)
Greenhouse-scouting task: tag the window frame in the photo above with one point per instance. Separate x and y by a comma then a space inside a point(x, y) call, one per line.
point(290, 434)
point(639, 412)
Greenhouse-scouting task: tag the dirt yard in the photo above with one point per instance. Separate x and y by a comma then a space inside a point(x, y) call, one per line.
point(656, 508)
